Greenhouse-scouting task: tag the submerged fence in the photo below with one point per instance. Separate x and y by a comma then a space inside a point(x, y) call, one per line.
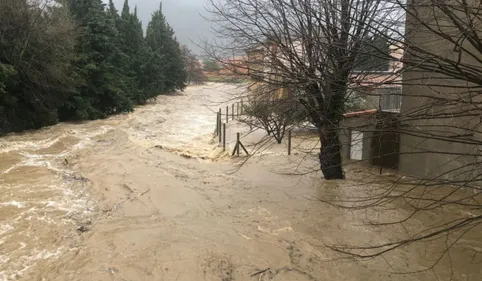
point(237, 110)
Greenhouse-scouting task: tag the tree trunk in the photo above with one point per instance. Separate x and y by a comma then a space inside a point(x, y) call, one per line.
point(326, 119)
point(330, 154)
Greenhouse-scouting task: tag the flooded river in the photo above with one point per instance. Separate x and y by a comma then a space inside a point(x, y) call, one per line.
point(150, 196)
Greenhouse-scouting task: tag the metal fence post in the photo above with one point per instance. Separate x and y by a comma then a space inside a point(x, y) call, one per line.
point(232, 111)
point(219, 125)
point(241, 107)
point(227, 114)
point(289, 142)
point(237, 144)
point(220, 121)
point(224, 136)
point(237, 109)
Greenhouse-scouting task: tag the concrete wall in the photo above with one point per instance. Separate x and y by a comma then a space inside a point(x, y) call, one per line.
point(380, 138)
point(363, 123)
point(385, 150)
point(260, 71)
point(431, 146)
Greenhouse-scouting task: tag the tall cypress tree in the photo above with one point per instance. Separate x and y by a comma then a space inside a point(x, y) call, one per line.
point(123, 54)
point(167, 65)
point(84, 61)
point(141, 59)
point(131, 42)
point(155, 78)
point(103, 92)
point(126, 11)
point(176, 69)
point(112, 11)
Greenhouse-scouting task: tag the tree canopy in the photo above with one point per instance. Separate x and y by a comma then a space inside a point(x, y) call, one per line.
point(36, 76)
point(81, 60)
point(313, 46)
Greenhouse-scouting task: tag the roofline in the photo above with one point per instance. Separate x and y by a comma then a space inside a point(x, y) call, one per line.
point(360, 113)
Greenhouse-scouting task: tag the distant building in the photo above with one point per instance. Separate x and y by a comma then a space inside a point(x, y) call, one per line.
point(381, 89)
point(367, 134)
point(265, 80)
point(236, 66)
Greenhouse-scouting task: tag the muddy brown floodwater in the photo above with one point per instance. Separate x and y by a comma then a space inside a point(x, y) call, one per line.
point(150, 196)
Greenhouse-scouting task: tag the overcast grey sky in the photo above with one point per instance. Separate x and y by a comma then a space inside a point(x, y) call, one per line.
point(182, 15)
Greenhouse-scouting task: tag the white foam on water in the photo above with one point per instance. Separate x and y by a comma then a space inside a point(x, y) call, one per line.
point(44, 254)
point(19, 205)
point(3, 274)
point(64, 199)
point(47, 160)
point(55, 200)
point(8, 146)
point(27, 261)
point(45, 219)
point(68, 206)
point(4, 228)
point(34, 161)
point(85, 137)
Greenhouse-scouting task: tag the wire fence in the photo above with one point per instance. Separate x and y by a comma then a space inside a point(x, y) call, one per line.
point(237, 113)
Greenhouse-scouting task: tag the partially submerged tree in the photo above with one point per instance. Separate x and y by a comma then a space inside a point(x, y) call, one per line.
point(273, 114)
point(311, 45)
point(317, 46)
point(440, 129)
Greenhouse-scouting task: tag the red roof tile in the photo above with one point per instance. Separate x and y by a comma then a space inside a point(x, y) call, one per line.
point(360, 113)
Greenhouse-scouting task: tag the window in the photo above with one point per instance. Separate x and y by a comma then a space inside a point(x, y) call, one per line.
point(390, 99)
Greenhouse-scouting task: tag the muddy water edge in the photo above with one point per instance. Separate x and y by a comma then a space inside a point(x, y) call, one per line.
point(147, 196)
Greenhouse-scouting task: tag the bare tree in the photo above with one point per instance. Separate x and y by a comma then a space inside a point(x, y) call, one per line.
point(273, 114)
point(310, 45)
point(440, 133)
point(317, 46)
